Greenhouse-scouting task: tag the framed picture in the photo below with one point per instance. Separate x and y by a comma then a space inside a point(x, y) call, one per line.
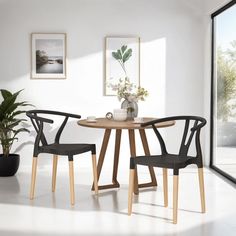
point(48, 56)
point(122, 59)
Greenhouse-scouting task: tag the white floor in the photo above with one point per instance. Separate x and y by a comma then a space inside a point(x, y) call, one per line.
point(51, 214)
point(226, 160)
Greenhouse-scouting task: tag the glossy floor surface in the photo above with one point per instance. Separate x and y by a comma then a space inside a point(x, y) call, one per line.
point(51, 214)
point(225, 160)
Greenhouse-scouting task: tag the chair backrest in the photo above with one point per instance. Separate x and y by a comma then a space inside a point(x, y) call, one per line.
point(38, 123)
point(192, 126)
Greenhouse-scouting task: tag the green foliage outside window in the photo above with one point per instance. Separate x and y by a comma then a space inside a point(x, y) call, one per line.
point(226, 82)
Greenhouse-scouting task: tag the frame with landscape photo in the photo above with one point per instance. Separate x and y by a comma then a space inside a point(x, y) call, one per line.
point(48, 55)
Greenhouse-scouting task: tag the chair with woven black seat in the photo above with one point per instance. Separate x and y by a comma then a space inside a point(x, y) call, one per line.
point(192, 128)
point(41, 146)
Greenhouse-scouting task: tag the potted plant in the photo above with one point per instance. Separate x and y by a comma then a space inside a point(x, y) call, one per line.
point(9, 129)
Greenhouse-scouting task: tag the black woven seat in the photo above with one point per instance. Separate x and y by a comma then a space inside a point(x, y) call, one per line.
point(169, 161)
point(192, 128)
point(41, 146)
point(68, 149)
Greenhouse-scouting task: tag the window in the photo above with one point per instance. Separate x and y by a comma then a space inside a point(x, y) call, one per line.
point(223, 105)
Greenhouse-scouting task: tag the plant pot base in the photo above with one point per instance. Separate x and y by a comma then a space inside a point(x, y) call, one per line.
point(9, 165)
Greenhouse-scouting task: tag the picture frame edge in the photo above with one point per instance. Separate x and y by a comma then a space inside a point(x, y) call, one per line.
point(31, 56)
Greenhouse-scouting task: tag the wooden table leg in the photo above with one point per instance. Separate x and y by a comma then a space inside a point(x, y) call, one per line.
point(133, 154)
point(147, 153)
point(116, 157)
point(102, 154)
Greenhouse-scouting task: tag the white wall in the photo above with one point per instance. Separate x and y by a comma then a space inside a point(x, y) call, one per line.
point(172, 54)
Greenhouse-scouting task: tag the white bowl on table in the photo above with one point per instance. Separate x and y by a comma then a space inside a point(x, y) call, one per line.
point(120, 114)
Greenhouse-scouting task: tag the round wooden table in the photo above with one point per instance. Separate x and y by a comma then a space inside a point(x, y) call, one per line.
point(108, 125)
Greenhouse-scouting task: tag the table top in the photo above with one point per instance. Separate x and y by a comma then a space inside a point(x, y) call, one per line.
point(103, 123)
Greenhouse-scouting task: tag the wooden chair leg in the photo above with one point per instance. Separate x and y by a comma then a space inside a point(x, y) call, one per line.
point(131, 190)
point(33, 177)
point(54, 172)
point(202, 191)
point(95, 174)
point(165, 186)
point(175, 197)
point(72, 187)
point(133, 154)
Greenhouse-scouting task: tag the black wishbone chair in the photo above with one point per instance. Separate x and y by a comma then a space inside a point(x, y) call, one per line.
point(41, 146)
point(173, 161)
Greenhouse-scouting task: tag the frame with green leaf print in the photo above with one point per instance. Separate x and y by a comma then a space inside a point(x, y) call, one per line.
point(122, 60)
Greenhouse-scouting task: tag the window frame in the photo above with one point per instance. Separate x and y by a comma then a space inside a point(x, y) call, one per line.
point(212, 103)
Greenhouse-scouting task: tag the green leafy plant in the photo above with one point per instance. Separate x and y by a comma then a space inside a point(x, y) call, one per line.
point(122, 55)
point(9, 120)
point(226, 82)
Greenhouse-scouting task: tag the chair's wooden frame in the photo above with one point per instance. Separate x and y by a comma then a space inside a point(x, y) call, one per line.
point(71, 175)
point(175, 192)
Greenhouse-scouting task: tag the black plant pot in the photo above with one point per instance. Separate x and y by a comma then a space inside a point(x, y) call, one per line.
point(9, 165)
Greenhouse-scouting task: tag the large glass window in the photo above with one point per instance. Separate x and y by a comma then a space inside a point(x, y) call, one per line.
point(223, 155)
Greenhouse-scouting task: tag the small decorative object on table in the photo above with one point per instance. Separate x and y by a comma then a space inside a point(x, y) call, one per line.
point(125, 89)
point(109, 115)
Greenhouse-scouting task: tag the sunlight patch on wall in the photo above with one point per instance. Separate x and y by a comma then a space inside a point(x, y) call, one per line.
point(153, 76)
